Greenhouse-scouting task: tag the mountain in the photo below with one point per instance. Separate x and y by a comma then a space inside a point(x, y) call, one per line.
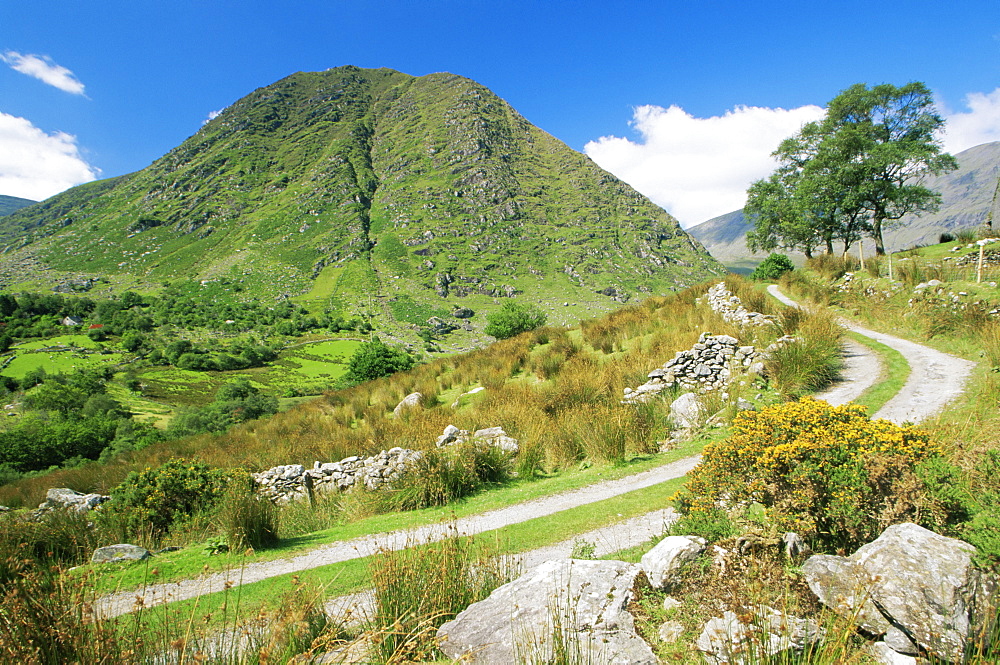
point(369, 191)
point(9, 204)
point(966, 197)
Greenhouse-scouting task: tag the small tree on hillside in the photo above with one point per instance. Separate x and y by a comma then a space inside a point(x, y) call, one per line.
point(375, 359)
point(513, 319)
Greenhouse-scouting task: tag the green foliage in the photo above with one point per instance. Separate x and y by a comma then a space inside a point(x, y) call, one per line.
point(375, 359)
point(513, 318)
point(852, 173)
point(235, 402)
point(249, 521)
point(772, 268)
point(419, 588)
point(828, 473)
point(150, 502)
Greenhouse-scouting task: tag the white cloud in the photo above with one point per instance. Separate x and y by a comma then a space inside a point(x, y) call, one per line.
point(44, 69)
point(35, 165)
point(212, 115)
point(699, 168)
point(979, 124)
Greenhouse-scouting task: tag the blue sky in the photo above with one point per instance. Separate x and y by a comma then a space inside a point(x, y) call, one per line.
point(684, 100)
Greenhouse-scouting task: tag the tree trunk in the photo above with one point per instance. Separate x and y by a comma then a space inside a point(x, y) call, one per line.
point(877, 236)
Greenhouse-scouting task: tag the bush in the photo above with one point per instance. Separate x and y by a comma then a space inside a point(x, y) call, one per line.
point(829, 473)
point(150, 502)
point(772, 268)
point(513, 319)
point(375, 359)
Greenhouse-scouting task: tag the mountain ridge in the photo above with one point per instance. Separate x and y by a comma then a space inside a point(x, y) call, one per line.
point(329, 184)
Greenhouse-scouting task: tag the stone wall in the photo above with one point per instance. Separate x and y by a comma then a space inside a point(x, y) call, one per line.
point(293, 482)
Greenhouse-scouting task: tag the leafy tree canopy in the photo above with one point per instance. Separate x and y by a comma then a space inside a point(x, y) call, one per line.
point(375, 359)
point(513, 318)
point(853, 173)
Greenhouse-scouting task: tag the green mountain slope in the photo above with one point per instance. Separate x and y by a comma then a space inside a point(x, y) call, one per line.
point(370, 191)
point(9, 204)
point(966, 196)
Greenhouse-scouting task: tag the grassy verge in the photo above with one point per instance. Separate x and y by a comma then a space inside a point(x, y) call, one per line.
point(194, 559)
point(227, 608)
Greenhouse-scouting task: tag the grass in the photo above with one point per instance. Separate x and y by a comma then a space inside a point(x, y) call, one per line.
point(894, 374)
point(192, 560)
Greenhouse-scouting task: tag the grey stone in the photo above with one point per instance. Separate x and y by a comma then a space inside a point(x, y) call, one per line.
point(883, 654)
point(920, 582)
point(411, 401)
point(65, 498)
point(900, 642)
point(686, 411)
point(662, 563)
point(839, 584)
point(671, 631)
point(588, 600)
point(120, 552)
point(770, 633)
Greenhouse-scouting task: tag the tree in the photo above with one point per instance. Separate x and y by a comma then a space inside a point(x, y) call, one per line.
point(888, 139)
point(513, 319)
point(853, 173)
point(375, 359)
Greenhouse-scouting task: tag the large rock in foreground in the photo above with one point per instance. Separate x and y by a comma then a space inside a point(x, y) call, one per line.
point(584, 602)
point(914, 585)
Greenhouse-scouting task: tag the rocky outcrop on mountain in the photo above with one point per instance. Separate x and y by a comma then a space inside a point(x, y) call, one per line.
point(917, 588)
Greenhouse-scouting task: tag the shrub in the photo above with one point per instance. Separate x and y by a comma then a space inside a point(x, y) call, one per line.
point(151, 501)
point(772, 268)
point(829, 473)
point(375, 359)
point(513, 319)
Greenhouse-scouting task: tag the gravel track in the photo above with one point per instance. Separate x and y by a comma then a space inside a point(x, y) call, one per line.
point(935, 379)
point(122, 603)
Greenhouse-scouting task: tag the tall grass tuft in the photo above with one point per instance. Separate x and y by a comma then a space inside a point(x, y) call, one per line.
point(419, 588)
point(249, 521)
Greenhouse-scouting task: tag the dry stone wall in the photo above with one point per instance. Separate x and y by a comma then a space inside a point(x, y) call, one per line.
point(294, 482)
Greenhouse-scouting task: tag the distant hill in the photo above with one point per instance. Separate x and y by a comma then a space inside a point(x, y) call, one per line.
point(966, 196)
point(368, 191)
point(9, 204)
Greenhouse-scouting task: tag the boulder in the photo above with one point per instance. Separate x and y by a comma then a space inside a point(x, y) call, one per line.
point(448, 436)
point(726, 639)
point(411, 401)
point(686, 411)
point(922, 584)
point(496, 436)
point(585, 601)
point(120, 552)
point(662, 563)
point(62, 497)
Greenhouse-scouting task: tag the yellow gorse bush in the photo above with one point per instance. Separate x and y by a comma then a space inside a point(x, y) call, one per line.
point(830, 473)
